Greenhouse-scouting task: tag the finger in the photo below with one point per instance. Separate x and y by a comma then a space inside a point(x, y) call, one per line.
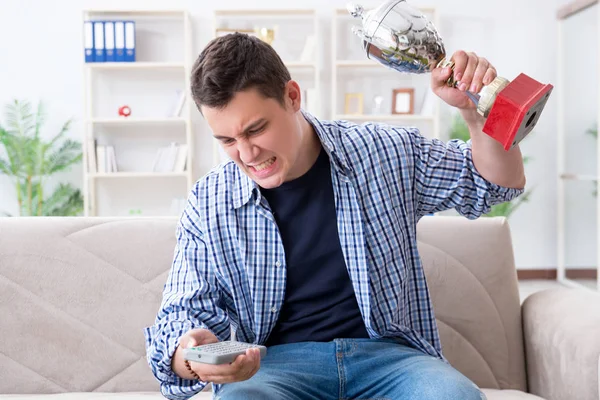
point(244, 367)
point(203, 336)
point(218, 379)
point(441, 75)
point(490, 75)
point(188, 341)
point(477, 82)
point(467, 78)
point(227, 373)
point(253, 363)
point(460, 59)
point(220, 369)
point(256, 365)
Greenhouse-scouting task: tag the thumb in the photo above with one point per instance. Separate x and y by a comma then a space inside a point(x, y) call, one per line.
point(439, 76)
point(202, 336)
point(191, 342)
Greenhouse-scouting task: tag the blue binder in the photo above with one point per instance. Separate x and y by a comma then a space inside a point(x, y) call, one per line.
point(109, 41)
point(119, 41)
point(129, 41)
point(99, 54)
point(88, 41)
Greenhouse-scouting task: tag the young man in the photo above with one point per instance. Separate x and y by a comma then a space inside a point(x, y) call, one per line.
point(306, 240)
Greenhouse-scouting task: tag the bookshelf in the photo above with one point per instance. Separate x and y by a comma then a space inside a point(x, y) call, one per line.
point(354, 77)
point(156, 88)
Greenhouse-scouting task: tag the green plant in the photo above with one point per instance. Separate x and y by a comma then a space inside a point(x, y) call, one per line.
point(30, 161)
point(459, 130)
point(593, 132)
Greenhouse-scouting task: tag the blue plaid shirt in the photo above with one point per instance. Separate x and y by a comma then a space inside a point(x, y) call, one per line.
point(229, 267)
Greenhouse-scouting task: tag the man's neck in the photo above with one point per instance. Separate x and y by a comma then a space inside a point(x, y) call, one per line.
point(310, 148)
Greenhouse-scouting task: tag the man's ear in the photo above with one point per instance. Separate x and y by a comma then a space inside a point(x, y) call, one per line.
point(293, 96)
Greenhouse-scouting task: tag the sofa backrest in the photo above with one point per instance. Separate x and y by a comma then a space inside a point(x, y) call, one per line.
point(471, 275)
point(76, 293)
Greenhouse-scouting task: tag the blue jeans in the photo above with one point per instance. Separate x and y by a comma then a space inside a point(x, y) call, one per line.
point(365, 369)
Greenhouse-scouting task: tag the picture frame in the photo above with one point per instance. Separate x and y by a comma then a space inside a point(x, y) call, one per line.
point(403, 101)
point(354, 104)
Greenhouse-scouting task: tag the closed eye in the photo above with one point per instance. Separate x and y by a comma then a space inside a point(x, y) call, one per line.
point(257, 130)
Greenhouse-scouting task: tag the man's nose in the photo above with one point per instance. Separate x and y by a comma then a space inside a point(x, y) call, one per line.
point(248, 152)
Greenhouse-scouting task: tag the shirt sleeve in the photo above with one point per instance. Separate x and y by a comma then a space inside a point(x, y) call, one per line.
point(190, 300)
point(445, 178)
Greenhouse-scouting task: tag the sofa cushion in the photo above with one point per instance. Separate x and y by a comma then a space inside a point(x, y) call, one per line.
point(474, 289)
point(494, 394)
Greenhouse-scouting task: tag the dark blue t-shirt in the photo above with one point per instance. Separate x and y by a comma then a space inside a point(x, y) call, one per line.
point(319, 304)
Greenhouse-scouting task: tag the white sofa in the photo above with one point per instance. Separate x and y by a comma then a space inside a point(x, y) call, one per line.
point(75, 294)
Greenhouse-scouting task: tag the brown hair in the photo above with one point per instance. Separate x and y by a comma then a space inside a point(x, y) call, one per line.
point(234, 63)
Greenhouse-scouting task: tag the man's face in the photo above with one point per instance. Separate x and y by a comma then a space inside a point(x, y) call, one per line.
point(263, 137)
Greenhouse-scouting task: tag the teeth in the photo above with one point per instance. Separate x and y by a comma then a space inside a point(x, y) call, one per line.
point(264, 165)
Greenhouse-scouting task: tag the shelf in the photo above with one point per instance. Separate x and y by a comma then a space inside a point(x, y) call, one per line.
point(342, 12)
point(117, 175)
point(135, 65)
point(300, 64)
point(140, 12)
point(385, 117)
point(579, 177)
point(358, 63)
point(138, 121)
point(270, 12)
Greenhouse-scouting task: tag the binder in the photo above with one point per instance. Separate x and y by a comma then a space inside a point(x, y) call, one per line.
point(129, 41)
point(119, 41)
point(100, 55)
point(109, 41)
point(88, 41)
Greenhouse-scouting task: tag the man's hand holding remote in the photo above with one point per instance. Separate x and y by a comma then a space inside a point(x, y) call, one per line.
point(243, 368)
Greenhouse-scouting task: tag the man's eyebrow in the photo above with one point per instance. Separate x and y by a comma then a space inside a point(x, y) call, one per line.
point(254, 125)
point(248, 128)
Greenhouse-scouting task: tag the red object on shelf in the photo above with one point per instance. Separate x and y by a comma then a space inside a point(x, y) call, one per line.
point(516, 110)
point(124, 111)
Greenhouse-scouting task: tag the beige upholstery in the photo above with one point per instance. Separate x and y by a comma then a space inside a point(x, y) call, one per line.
point(556, 334)
point(75, 294)
point(473, 283)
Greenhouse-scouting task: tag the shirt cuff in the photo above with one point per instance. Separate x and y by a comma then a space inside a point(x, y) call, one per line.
point(160, 346)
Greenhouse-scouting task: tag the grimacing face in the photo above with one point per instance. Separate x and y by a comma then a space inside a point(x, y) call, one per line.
point(264, 138)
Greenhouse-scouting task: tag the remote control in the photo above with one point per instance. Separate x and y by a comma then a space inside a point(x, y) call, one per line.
point(221, 352)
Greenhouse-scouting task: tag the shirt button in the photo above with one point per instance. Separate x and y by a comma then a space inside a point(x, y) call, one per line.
point(273, 309)
point(278, 264)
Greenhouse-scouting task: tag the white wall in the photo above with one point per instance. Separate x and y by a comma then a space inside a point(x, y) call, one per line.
point(41, 54)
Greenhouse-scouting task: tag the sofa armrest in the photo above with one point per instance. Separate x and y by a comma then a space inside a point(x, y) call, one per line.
point(562, 343)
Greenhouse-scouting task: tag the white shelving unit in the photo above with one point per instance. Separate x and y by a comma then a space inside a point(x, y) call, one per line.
point(292, 30)
point(577, 110)
point(158, 60)
point(355, 69)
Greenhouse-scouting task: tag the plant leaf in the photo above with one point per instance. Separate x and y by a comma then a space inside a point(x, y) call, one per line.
point(68, 154)
point(65, 128)
point(64, 201)
point(40, 118)
point(5, 167)
point(459, 129)
point(20, 119)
